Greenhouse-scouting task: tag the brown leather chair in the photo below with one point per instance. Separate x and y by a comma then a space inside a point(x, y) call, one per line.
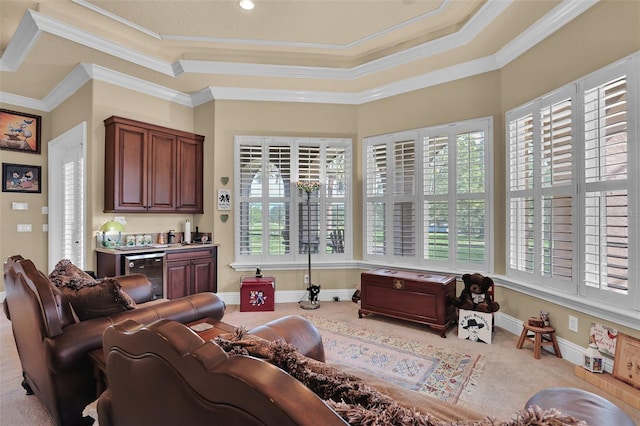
point(165, 374)
point(54, 346)
point(583, 405)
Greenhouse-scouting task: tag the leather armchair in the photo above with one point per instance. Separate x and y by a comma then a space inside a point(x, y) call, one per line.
point(164, 373)
point(54, 347)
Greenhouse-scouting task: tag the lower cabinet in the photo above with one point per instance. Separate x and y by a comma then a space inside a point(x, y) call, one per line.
point(191, 271)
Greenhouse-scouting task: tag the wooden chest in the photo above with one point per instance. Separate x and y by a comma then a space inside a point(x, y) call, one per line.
point(413, 296)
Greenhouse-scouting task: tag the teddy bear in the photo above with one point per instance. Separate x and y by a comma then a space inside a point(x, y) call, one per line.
point(475, 296)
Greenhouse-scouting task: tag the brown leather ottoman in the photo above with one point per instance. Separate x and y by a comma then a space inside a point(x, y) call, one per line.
point(583, 405)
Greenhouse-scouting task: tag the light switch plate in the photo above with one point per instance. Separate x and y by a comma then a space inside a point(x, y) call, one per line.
point(19, 206)
point(24, 227)
point(45, 210)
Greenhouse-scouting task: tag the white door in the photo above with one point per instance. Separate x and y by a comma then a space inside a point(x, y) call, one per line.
point(67, 183)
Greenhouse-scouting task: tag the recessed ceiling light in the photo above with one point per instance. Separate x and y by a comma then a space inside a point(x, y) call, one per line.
point(247, 4)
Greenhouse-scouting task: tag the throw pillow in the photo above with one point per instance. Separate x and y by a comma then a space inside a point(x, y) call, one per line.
point(98, 299)
point(66, 274)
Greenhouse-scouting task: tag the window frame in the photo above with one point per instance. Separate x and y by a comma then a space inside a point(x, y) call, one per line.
point(294, 197)
point(451, 130)
point(577, 291)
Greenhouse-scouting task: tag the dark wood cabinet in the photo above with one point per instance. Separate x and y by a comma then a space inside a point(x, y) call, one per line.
point(191, 271)
point(413, 296)
point(151, 168)
point(188, 270)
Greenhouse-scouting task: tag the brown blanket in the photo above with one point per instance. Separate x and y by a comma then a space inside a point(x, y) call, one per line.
point(361, 404)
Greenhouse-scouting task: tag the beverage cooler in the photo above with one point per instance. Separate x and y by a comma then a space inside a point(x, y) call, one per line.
point(152, 265)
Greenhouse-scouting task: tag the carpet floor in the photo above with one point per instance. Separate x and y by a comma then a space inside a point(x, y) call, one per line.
point(506, 380)
point(436, 371)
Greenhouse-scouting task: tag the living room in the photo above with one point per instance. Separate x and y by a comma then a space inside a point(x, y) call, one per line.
point(601, 35)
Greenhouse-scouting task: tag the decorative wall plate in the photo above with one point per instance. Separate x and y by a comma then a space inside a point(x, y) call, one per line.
point(224, 180)
point(224, 217)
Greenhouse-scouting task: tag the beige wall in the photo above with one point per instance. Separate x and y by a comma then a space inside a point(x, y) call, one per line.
point(272, 119)
point(34, 244)
point(605, 33)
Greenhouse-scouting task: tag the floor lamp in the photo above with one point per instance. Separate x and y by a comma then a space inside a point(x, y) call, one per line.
point(313, 290)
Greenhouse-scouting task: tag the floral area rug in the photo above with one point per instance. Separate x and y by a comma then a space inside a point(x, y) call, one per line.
point(435, 371)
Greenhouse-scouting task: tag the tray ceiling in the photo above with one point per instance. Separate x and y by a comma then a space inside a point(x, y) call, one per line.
point(192, 51)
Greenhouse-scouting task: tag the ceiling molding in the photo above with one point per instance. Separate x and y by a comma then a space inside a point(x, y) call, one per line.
point(34, 23)
point(274, 43)
point(561, 15)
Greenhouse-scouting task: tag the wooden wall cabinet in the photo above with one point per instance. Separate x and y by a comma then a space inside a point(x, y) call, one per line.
point(151, 168)
point(191, 271)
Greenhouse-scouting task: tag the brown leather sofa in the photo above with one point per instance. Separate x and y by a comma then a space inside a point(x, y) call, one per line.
point(165, 374)
point(53, 345)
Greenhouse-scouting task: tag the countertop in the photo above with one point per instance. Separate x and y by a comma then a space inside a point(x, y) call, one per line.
point(154, 248)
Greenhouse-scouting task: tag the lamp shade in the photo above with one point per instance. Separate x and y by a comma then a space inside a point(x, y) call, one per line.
point(112, 226)
point(111, 234)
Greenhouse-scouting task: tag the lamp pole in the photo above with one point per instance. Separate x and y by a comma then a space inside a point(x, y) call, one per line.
point(312, 290)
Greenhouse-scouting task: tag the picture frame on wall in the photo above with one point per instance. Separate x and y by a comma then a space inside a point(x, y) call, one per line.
point(20, 131)
point(21, 178)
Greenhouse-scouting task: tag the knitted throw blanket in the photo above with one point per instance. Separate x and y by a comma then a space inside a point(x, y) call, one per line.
point(355, 401)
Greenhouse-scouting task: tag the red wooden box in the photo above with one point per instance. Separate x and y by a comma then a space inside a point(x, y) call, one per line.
point(257, 294)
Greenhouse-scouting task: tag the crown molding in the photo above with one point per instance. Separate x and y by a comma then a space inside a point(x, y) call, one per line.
point(30, 28)
point(273, 43)
point(561, 15)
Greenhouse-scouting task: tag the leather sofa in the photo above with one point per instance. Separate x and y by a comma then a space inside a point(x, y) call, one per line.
point(164, 373)
point(54, 346)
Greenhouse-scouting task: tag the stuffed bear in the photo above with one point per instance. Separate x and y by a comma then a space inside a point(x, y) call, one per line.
point(475, 296)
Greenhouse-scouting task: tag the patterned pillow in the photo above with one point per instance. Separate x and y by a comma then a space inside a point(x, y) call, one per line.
point(99, 299)
point(66, 274)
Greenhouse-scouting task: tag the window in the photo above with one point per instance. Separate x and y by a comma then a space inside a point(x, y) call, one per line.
point(426, 197)
point(570, 190)
point(276, 221)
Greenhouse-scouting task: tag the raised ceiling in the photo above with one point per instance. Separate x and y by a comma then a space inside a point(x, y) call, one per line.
point(192, 51)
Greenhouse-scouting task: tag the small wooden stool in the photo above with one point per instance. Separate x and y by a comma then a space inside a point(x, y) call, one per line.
point(542, 336)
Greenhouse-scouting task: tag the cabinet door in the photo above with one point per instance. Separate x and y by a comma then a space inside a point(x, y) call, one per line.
point(161, 172)
point(190, 152)
point(178, 278)
point(203, 274)
point(129, 182)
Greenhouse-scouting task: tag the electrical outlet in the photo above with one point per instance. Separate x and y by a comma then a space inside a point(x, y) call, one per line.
point(306, 278)
point(573, 324)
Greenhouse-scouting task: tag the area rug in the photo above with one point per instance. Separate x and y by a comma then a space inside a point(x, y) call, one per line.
point(435, 371)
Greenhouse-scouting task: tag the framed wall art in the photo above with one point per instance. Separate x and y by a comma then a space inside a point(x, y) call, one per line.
point(20, 131)
point(626, 365)
point(21, 178)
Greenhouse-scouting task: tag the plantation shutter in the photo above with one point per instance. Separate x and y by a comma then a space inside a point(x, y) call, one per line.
point(73, 245)
point(375, 191)
point(250, 202)
point(436, 191)
point(309, 169)
point(606, 212)
point(278, 214)
point(470, 194)
point(336, 181)
point(557, 200)
point(404, 214)
point(521, 207)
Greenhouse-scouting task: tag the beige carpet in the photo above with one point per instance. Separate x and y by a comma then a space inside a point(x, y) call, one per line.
point(510, 376)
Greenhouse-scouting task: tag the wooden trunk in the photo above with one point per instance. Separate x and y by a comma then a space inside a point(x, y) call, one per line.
point(414, 296)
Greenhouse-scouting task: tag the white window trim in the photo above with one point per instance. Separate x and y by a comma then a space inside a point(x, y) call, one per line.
point(295, 260)
point(418, 260)
point(618, 308)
